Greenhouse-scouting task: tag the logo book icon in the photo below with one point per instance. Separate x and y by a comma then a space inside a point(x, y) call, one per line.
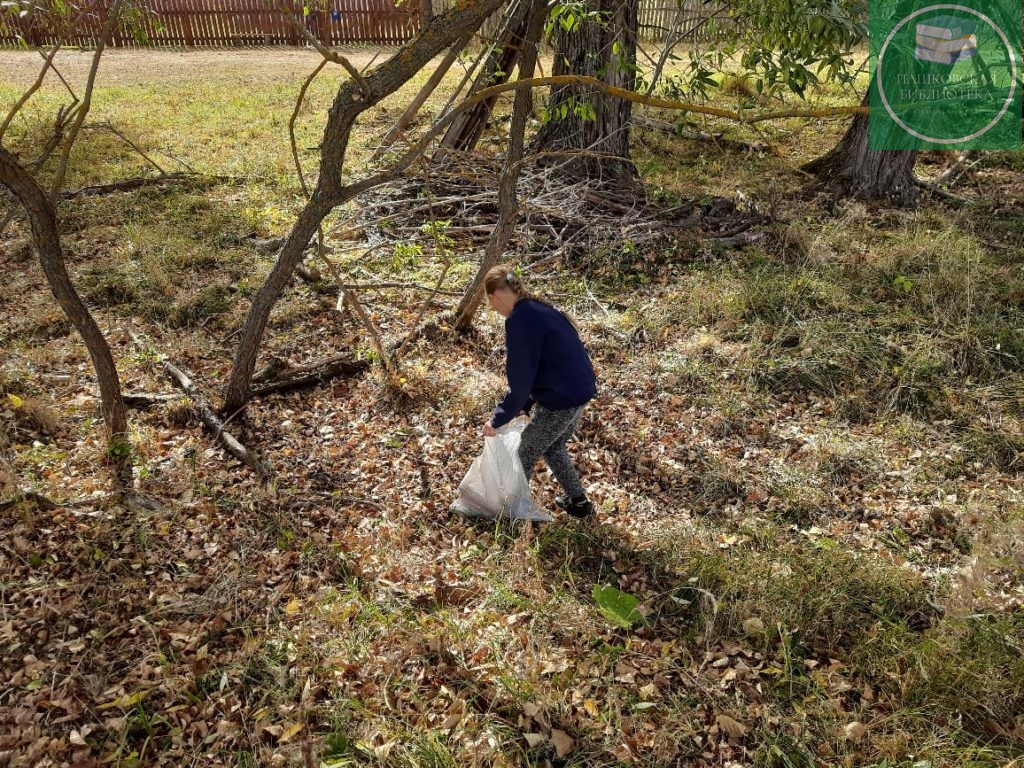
point(946, 40)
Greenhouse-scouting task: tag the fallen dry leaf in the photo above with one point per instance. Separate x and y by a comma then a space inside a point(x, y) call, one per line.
point(855, 731)
point(535, 739)
point(734, 729)
point(563, 742)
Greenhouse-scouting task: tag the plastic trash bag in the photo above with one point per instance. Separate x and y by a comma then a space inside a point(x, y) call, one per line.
point(495, 485)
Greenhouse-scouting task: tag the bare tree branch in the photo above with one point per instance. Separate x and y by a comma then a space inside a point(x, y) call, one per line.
point(328, 55)
point(48, 60)
point(83, 108)
point(291, 125)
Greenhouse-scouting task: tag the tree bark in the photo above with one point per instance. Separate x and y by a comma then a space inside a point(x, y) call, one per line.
point(428, 88)
point(851, 169)
point(466, 130)
point(508, 204)
point(353, 98)
point(608, 52)
point(46, 235)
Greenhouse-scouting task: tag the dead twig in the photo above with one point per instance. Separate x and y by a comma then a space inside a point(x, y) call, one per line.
point(965, 162)
point(378, 346)
point(940, 192)
point(107, 125)
point(208, 416)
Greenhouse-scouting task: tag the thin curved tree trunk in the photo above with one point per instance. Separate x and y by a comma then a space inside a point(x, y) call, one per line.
point(46, 236)
point(851, 169)
point(508, 204)
point(588, 124)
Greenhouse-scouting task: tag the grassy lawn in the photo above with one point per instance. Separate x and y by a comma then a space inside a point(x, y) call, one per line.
point(806, 454)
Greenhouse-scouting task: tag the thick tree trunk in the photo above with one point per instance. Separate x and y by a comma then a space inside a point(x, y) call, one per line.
point(508, 204)
point(608, 52)
point(47, 240)
point(850, 169)
point(466, 130)
point(353, 98)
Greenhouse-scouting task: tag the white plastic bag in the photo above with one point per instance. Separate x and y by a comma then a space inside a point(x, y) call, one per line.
point(495, 485)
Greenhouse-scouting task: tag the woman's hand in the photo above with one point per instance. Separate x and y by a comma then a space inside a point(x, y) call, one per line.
point(489, 431)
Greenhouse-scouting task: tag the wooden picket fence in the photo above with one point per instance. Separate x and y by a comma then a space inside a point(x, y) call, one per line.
point(229, 23)
point(163, 23)
point(655, 18)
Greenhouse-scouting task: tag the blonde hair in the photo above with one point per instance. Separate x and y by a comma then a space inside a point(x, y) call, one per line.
point(503, 276)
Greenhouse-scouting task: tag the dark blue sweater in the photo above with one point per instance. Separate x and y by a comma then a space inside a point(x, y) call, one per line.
point(546, 362)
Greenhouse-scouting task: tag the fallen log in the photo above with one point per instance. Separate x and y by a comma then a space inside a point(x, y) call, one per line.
point(146, 399)
point(126, 185)
point(209, 416)
point(312, 375)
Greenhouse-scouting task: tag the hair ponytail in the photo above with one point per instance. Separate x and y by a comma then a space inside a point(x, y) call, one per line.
point(503, 276)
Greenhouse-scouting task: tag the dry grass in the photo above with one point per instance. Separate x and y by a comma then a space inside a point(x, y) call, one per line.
point(732, 481)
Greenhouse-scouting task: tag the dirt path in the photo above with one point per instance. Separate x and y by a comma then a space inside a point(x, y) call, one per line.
point(131, 67)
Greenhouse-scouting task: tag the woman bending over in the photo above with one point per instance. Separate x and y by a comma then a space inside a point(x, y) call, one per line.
point(546, 365)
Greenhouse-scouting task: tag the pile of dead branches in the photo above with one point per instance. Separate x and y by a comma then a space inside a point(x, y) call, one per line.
point(560, 218)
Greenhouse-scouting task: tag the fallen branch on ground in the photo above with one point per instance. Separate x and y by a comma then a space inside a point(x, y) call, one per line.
point(964, 163)
point(146, 399)
point(209, 416)
point(125, 185)
point(42, 501)
point(312, 375)
point(940, 192)
point(682, 132)
point(557, 217)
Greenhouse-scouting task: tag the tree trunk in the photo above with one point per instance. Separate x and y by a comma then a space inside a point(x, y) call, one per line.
point(466, 130)
point(608, 52)
point(508, 204)
point(47, 240)
point(414, 106)
point(850, 169)
point(352, 99)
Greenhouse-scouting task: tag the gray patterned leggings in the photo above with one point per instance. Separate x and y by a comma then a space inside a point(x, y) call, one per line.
point(546, 435)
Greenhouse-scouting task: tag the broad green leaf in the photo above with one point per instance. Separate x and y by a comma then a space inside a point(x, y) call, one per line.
point(620, 608)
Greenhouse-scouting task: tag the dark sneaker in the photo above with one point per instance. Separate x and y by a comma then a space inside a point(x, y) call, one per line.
point(578, 508)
